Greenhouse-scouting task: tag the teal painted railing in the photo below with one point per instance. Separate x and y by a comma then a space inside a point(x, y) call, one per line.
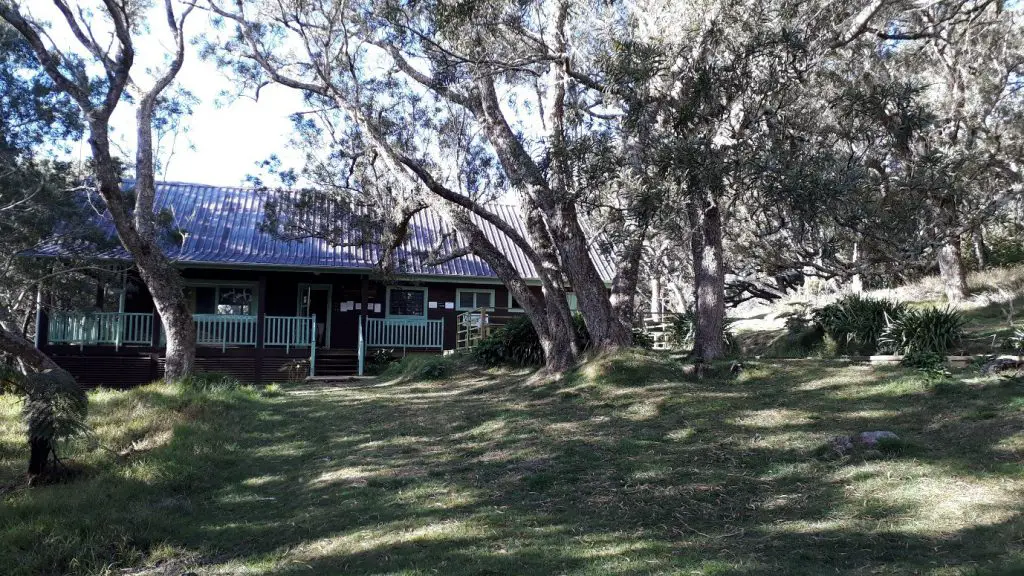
point(361, 350)
point(312, 349)
point(116, 328)
point(225, 330)
point(288, 331)
point(403, 333)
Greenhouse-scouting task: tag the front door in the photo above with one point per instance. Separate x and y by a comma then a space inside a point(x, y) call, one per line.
point(316, 299)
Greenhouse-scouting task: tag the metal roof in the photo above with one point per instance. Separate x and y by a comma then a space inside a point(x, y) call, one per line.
point(222, 226)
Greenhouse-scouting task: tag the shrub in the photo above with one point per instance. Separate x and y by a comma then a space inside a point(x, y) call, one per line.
point(1005, 250)
point(642, 339)
point(684, 329)
point(922, 334)
point(517, 344)
point(379, 360)
point(514, 343)
point(421, 367)
point(855, 323)
point(1016, 340)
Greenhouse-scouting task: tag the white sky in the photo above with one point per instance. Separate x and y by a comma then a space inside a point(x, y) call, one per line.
point(226, 136)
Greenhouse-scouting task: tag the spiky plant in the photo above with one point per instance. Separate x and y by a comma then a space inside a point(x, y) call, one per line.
point(931, 331)
point(856, 322)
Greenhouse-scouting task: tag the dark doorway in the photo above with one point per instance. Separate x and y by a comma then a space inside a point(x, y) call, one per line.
point(316, 299)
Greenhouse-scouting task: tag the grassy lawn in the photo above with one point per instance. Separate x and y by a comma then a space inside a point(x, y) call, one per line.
point(628, 467)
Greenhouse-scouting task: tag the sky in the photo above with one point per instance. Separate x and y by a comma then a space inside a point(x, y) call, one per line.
point(226, 135)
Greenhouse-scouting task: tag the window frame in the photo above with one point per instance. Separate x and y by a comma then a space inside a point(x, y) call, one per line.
point(511, 308)
point(217, 285)
point(460, 291)
point(387, 303)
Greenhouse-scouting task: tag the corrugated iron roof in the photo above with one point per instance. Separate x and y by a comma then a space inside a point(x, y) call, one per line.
point(222, 226)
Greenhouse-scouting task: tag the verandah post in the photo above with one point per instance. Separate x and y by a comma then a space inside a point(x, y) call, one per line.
point(261, 314)
point(312, 345)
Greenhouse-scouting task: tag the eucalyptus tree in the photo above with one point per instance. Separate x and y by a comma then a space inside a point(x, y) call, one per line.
point(440, 106)
point(104, 39)
point(698, 87)
point(953, 120)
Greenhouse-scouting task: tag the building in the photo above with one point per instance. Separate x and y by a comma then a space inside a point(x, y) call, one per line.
point(260, 301)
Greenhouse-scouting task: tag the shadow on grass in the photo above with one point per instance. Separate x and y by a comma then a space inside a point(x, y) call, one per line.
point(597, 474)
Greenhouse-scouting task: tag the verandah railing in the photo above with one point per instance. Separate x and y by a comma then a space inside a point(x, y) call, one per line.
point(108, 328)
point(404, 333)
point(287, 331)
point(131, 328)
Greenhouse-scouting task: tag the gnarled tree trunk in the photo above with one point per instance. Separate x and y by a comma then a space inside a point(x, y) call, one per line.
point(709, 277)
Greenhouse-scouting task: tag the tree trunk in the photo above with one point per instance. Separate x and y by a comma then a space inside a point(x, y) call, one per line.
point(951, 270)
point(857, 282)
point(980, 250)
point(16, 345)
point(549, 314)
point(158, 273)
point(709, 278)
point(39, 456)
point(558, 342)
point(610, 326)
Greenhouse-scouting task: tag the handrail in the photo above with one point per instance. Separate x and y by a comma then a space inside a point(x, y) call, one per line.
point(404, 333)
point(117, 328)
point(475, 325)
point(136, 328)
point(225, 330)
point(361, 348)
point(660, 328)
point(312, 347)
point(287, 331)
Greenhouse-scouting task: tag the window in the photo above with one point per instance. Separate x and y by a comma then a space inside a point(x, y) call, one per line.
point(234, 301)
point(473, 299)
point(513, 305)
point(225, 300)
point(409, 302)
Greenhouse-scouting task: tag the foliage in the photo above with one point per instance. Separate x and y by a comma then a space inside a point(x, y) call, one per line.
point(684, 328)
point(421, 367)
point(210, 381)
point(921, 334)
point(516, 343)
point(1016, 340)
point(54, 407)
point(642, 339)
point(1005, 249)
point(855, 323)
point(379, 360)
